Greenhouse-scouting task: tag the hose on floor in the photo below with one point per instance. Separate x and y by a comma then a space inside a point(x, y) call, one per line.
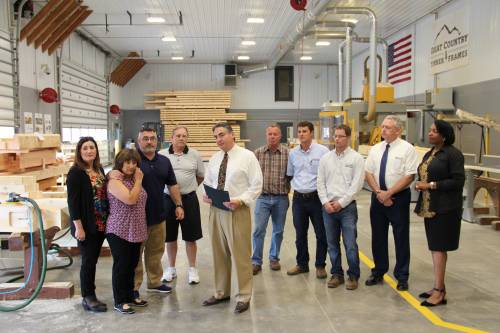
point(27, 201)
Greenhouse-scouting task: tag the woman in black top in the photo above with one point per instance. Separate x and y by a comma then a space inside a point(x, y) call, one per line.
point(88, 208)
point(441, 181)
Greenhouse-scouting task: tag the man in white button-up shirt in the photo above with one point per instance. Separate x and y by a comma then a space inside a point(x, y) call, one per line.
point(230, 231)
point(390, 168)
point(340, 177)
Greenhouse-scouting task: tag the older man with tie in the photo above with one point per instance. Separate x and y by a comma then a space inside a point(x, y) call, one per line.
point(236, 170)
point(390, 168)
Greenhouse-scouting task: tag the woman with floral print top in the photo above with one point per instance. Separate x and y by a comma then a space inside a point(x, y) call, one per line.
point(88, 207)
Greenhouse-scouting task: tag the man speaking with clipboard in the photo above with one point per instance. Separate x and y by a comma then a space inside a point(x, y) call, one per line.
point(233, 175)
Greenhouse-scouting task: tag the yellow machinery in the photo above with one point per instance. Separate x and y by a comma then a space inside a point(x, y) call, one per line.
point(385, 91)
point(328, 121)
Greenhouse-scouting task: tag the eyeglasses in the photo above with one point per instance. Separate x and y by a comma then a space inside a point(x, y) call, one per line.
point(149, 138)
point(340, 136)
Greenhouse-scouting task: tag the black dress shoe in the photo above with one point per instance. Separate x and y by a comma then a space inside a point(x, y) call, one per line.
point(241, 307)
point(212, 301)
point(89, 303)
point(402, 285)
point(373, 280)
point(424, 295)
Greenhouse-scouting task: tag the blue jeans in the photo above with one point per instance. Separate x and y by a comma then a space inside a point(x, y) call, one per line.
point(304, 209)
point(343, 221)
point(265, 206)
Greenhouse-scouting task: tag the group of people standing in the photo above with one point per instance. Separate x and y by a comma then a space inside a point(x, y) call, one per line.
point(140, 205)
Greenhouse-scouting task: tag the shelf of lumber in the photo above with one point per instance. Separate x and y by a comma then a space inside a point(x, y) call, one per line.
point(20, 160)
point(30, 141)
point(32, 181)
point(217, 99)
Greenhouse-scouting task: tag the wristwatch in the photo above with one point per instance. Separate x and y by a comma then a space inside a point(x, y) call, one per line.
point(179, 205)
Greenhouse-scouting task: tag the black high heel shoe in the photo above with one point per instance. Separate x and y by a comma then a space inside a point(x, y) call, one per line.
point(442, 302)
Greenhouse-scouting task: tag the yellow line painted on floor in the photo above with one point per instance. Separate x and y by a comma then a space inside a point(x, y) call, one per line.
point(426, 312)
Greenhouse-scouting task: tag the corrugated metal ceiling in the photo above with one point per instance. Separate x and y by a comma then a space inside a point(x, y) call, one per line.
point(214, 29)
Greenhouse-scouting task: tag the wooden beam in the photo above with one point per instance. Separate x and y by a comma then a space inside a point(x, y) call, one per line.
point(62, 28)
point(45, 21)
point(69, 30)
point(115, 76)
point(33, 23)
point(56, 21)
point(130, 72)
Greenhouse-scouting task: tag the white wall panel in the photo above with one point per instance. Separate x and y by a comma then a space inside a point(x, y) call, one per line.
point(4, 15)
point(318, 84)
point(484, 25)
point(83, 98)
point(6, 76)
point(75, 49)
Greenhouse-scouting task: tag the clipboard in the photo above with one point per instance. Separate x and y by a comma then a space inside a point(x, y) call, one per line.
point(217, 196)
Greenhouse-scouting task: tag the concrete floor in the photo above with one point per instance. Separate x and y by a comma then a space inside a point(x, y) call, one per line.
point(300, 303)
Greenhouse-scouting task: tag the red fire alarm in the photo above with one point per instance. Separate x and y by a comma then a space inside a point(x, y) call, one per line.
point(114, 109)
point(298, 4)
point(48, 95)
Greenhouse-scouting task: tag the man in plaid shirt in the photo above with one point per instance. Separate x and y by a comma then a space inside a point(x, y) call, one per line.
point(273, 160)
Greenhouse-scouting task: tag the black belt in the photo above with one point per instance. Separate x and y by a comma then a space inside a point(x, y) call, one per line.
point(305, 195)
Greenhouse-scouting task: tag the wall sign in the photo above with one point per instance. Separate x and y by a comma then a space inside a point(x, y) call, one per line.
point(450, 47)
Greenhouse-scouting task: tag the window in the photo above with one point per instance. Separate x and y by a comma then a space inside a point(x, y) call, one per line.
point(283, 84)
point(6, 132)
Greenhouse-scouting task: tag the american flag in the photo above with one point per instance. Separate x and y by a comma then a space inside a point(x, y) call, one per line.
point(399, 60)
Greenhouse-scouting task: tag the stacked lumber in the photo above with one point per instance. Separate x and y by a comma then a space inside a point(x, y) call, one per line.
point(28, 163)
point(199, 111)
point(26, 151)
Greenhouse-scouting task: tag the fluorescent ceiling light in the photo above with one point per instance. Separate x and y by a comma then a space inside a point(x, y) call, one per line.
point(255, 20)
point(306, 58)
point(177, 58)
point(168, 39)
point(349, 20)
point(248, 42)
point(243, 57)
point(155, 19)
point(322, 43)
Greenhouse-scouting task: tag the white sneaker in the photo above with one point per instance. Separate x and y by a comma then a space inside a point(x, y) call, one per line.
point(193, 277)
point(169, 275)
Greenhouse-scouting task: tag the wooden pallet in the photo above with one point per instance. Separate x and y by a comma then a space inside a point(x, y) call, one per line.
point(31, 141)
point(19, 160)
point(29, 182)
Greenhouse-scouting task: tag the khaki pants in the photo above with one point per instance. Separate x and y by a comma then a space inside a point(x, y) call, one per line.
point(153, 249)
point(230, 233)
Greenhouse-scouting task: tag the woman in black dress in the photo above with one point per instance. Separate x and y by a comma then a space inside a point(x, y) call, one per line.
point(441, 181)
point(89, 208)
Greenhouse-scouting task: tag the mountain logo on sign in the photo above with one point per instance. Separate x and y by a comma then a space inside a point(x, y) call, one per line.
point(445, 27)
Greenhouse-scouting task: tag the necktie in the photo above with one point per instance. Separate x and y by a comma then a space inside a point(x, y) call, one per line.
point(221, 181)
point(383, 165)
